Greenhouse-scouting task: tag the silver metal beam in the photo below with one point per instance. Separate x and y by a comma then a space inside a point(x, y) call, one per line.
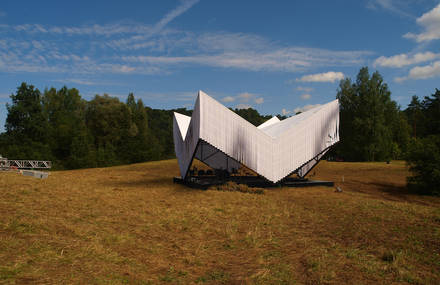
point(28, 164)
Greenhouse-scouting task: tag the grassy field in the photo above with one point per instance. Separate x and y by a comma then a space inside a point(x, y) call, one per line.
point(131, 224)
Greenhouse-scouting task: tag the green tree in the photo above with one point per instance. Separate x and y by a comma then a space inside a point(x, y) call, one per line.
point(252, 116)
point(26, 125)
point(65, 111)
point(431, 106)
point(424, 163)
point(423, 156)
point(370, 120)
point(138, 145)
point(109, 122)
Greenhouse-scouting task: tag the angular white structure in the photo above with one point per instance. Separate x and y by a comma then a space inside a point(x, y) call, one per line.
point(276, 149)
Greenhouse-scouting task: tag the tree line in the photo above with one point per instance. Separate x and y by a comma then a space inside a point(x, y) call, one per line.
point(61, 126)
point(374, 128)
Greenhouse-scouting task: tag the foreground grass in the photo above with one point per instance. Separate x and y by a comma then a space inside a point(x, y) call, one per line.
point(131, 224)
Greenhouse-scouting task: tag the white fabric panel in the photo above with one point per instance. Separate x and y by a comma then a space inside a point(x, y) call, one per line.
point(274, 151)
point(269, 122)
point(183, 123)
point(186, 146)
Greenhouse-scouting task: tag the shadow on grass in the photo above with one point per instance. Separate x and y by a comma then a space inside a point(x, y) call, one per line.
point(142, 182)
point(391, 192)
point(148, 182)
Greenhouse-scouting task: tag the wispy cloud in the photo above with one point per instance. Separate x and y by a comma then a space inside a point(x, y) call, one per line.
point(182, 8)
point(2, 13)
point(76, 81)
point(127, 48)
point(430, 22)
point(258, 58)
point(391, 6)
point(403, 59)
point(304, 89)
point(330, 76)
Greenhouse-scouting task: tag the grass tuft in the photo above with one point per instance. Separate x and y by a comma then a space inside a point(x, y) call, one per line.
point(235, 187)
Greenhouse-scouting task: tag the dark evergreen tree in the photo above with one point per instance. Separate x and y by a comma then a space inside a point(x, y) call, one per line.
point(423, 156)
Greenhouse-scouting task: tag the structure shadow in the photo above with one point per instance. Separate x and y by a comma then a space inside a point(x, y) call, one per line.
point(141, 182)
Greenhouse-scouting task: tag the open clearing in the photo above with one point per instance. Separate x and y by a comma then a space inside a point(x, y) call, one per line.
point(131, 224)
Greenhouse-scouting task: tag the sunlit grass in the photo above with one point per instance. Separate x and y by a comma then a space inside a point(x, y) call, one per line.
point(131, 224)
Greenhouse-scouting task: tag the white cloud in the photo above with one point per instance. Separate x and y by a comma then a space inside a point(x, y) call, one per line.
point(259, 100)
point(228, 99)
point(305, 108)
point(285, 112)
point(330, 76)
point(306, 96)
point(401, 60)
point(427, 71)
point(243, 106)
point(305, 89)
point(244, 97)
point(430, 22)
point(422, 72)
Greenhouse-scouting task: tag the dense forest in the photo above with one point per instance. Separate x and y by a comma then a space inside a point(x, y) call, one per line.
point(61, 126)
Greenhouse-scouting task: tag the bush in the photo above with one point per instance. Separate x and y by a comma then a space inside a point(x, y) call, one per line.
point(423, 159)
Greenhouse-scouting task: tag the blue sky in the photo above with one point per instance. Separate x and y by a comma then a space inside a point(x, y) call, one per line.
point(274, 56)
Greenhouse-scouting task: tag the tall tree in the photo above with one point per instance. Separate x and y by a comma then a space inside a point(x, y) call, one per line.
point(416, 117)
point(70, 141)
point(137, 146)
point(369, 118)
point(110, 124)
point(431, 106)
point(26, 125)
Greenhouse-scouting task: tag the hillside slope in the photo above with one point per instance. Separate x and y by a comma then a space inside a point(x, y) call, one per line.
point(132, 224)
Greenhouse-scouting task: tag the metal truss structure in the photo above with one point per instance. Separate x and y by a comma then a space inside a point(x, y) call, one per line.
point(24, 164)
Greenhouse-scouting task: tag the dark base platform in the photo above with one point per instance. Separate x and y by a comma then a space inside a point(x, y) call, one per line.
point(203, 182)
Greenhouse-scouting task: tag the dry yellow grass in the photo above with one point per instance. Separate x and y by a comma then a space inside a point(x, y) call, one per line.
point(131, 224)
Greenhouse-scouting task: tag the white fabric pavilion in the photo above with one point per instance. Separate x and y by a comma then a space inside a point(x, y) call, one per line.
point(276, 149)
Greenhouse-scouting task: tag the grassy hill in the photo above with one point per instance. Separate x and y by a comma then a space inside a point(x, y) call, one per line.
point(131, 224)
